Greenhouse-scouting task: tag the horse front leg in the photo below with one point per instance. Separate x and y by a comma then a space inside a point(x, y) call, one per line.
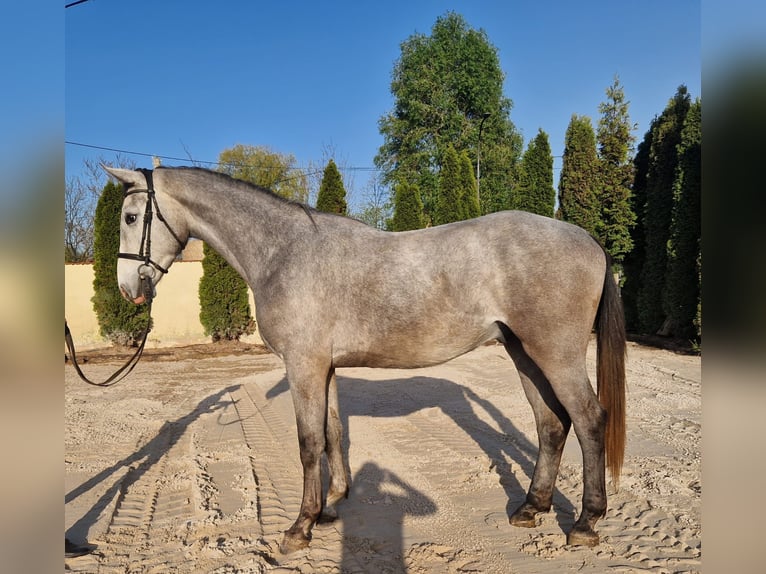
point(336, 457)
point(308, 381)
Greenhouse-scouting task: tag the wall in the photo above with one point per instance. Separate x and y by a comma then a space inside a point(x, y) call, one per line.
point(175, 309)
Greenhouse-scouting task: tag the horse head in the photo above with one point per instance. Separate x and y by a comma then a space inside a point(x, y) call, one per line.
point(153, 232)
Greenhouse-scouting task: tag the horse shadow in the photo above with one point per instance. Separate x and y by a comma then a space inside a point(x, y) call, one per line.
point(401, 397)
point(373, 537)
point(139, 462)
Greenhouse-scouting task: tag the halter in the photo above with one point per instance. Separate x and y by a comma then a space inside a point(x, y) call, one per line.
point(146, 272)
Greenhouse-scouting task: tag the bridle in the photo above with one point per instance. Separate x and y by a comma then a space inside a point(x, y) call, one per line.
point(146, 273)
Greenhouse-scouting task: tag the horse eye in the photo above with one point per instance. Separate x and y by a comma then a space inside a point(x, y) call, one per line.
point(130, 218)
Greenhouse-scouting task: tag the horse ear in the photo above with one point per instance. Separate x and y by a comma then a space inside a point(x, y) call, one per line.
point(126, 176)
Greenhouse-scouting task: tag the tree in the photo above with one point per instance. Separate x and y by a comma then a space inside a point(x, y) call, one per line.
point(332, 194)
point(578, 182)
point(377, 208)
point(469, 199)
point(408, 208)
point(615, 145)
point(223, 295)
point(442, 85)
point(658, 209)
point(682, 282)
point(448, 203)
point(634, 260)
point(224, 307)
point(535, 191)
point(119, 320)
point(266, 168)
point(81, 194)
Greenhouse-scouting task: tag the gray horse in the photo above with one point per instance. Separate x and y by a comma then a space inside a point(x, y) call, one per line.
point(332, 292)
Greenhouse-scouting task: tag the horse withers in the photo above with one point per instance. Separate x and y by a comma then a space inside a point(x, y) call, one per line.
point(333, 292)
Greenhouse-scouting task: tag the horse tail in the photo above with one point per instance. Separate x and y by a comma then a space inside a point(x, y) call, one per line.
point(610, 370)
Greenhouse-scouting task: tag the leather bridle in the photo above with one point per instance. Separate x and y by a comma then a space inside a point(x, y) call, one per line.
point(146, 272)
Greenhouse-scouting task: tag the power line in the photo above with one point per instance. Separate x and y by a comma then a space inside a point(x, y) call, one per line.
point(197, 161)
point(74, 3)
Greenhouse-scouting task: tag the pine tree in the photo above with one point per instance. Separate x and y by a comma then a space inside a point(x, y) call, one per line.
point(535, 192)
point(120, 321)
point(658, 210)
point(615, 143)
point(332, 194)
point(682, 286)
point(448, 201)
point(578, 183)
point(469, 199)
point(408, 208)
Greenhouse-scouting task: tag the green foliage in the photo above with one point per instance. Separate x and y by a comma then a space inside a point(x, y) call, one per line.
point(265, 168)
point(535, 191)
point(442, 84)
point(408, 208)
point(120, 321)
point(578, 183)
point(658, 209)
point(449, 206)
point(615, 143)
point(469, 199)
point(224, 307)
point(634, 260)
point(682, 280)
point(332, 194)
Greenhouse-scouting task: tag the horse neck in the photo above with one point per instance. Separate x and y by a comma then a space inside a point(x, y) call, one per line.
point(247, 227)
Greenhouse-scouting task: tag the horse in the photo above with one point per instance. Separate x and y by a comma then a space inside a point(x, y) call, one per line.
point(333, 292)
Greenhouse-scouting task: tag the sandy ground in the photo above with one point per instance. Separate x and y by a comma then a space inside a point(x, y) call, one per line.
point(191, 465)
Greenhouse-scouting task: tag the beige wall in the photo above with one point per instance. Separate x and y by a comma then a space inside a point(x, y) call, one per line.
point(175, 309)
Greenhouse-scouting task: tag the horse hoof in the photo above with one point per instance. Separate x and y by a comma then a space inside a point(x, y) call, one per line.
point(583, 538)
point(524, 517)
point(292, 542)
point(329, 514)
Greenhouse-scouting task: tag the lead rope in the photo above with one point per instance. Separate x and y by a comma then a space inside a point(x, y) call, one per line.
point(123, 371)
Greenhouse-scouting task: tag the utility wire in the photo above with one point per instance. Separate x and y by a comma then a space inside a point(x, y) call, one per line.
point(74, 3)
point(197, 161)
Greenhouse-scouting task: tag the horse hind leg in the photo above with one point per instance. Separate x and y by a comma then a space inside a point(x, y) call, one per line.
point(553, 425)
point(569, 381)
point(336, 456)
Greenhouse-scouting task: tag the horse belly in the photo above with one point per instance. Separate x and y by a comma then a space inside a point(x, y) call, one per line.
point(415, 350)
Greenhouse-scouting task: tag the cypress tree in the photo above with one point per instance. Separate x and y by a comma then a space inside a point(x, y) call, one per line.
point(682, 286)
point(224, 305)
point(448, 201)
point(535, 192)
point(578, 202)
point(332, 194)
point(615, 142)
point(658, 209)
point(119, 320)
point(634, 260)
point(408, 208)
point(469, 197)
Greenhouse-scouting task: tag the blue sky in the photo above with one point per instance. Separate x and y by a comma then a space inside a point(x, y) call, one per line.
point(174, 78)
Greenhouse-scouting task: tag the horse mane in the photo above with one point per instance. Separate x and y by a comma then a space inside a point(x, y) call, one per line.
point(224, 177)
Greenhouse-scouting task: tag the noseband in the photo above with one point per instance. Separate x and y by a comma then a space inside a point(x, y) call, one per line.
point(146, 272)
